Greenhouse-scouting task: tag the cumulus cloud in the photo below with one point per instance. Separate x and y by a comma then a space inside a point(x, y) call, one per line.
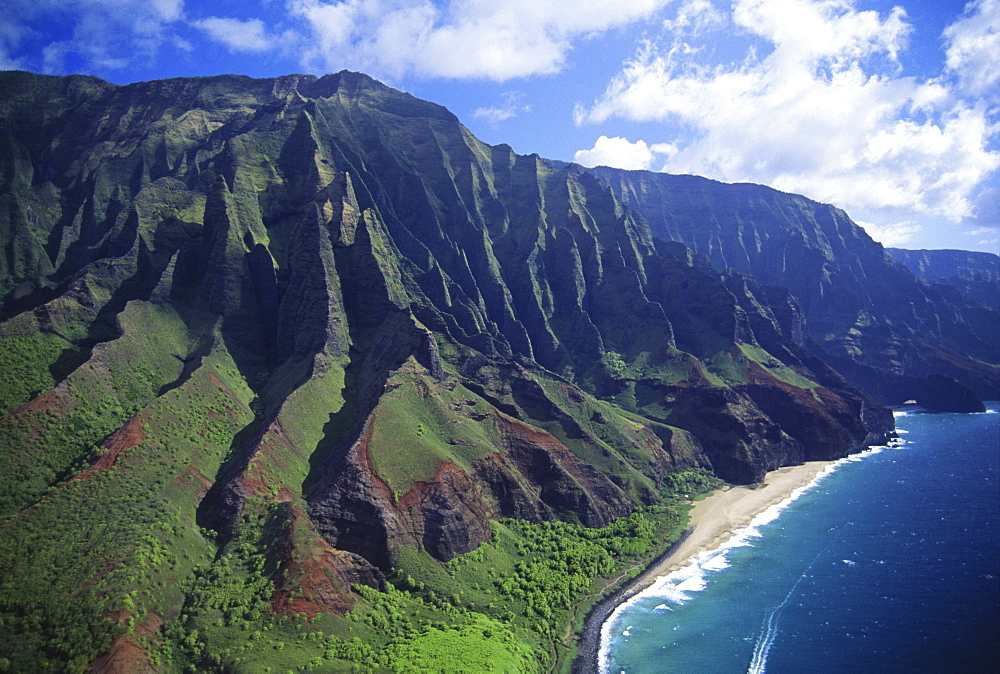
point(618, 152)
point(893, 235)
point(457, 38)
point(237, 35)
point(974, 46)
point(824, 112)
point(509, 108)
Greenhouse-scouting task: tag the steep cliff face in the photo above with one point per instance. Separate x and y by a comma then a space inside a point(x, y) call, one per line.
point(976, 275)
point(346, 330)
point(867, 314)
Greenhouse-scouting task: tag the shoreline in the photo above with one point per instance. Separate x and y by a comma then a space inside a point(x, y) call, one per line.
point(712, 521)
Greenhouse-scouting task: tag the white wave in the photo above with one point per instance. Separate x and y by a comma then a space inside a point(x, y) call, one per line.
point(661, 607)
point(717, 563)
point(677, 586)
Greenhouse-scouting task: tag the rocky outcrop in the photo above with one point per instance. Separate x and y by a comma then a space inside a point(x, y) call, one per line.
point(313, 577)
point(534, 476)
point(741, 441)
point(565, 484)
point(944, 394)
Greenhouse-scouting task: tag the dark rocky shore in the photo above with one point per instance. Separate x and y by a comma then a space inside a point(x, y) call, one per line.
point(589, 644)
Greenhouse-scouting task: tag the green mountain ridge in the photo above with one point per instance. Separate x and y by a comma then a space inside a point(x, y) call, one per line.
point(303, 374)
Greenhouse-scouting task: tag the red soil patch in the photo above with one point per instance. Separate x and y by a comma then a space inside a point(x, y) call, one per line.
point(363, 459)
point(319, 576)
point(757, 375)
point(573, 393)
point(191, 471)
point(525, 446)
point(125, 438)
point(46, 401)
point(50, 400)
point(126, 656)
point(274, 444)
point(447, 472)
point(515, 430)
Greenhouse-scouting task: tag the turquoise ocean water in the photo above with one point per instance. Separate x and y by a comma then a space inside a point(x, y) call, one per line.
point(888, 562)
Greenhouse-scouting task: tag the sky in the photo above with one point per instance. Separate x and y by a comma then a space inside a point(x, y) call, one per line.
point(889, 110)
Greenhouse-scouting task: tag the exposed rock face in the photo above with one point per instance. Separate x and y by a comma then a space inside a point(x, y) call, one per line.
point(357, 511)
point(722, 418)
point(372, 327)
point(564, 483)
point(326, 575)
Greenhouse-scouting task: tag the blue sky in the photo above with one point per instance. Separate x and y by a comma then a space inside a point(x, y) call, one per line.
point(888, 110)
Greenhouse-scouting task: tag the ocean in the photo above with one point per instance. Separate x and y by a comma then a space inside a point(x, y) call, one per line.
point(888, 562)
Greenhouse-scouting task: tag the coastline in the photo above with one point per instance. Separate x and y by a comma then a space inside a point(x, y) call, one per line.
point(712, 521)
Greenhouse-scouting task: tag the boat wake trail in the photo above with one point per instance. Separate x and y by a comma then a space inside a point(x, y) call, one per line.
point(770, 628)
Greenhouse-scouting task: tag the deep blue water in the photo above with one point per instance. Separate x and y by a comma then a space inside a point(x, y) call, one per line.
point(889, 563)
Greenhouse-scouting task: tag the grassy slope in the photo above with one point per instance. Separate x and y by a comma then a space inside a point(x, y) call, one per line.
point(103, 552)
point(124, 543)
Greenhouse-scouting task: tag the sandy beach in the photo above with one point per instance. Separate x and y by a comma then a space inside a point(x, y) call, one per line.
point(712, 521)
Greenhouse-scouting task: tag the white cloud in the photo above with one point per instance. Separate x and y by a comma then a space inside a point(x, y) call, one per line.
point(618, 152)
point(239, 36)
point(894, 235)
point(806, 30)
point(974, 47)
point(510, 107)
point(458, 38)
point(824, 113)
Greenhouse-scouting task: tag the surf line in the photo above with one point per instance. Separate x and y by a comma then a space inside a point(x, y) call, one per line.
point(769, 631)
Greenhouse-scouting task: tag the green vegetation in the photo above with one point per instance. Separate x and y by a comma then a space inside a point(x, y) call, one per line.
point(613, 362)
point(56, 439)
point(99, 554)
point(421, 423)
point(689, 483)
point(133, 545)
point(776, 368)
point(25, 361)
point(536, 578)
point(483, 646)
